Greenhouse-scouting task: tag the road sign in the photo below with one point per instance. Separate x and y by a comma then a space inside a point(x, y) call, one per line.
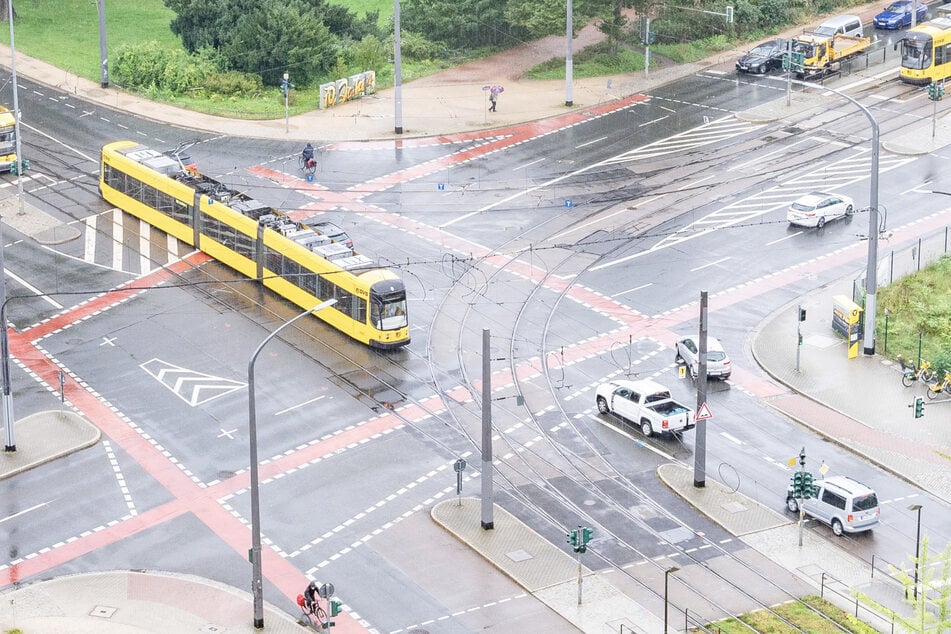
point(703, 413)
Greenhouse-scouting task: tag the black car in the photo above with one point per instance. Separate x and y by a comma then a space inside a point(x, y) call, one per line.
point(764, 57)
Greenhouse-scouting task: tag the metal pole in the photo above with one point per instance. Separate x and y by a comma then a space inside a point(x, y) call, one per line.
point(798, 333)
point(700, 448)
point(257, 583)
point(16, 114)
point(580, 578)
point(917, 507)
point(10, 445)
point(287, 91)
point(104, 60)
point(397, 69)
point(569, 61)
point(647, 50)
point(666, 585)
point(487, 508)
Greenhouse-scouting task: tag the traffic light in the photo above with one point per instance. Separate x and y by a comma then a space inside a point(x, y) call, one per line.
point(919, 407)
point(335, 606)
point(16, 166)
point(573, 539)
point(802, 314)
point(808, 489)
point(729, 15)
point(798, 60)
point(935, 91)
point(797, 484)
point(586, 534)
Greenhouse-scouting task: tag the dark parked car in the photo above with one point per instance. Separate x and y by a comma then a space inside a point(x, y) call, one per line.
point(764, 57)
point(897, 15)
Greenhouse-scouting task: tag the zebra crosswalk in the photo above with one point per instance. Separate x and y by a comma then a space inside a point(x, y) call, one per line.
point(116, 240)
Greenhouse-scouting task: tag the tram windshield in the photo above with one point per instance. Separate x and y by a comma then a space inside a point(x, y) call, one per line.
point(389, 314)
point(916, 53)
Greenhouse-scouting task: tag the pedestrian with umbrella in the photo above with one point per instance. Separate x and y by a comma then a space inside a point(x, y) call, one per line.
point(494, 92)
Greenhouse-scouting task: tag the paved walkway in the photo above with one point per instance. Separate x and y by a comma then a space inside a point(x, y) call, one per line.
point(875, 422)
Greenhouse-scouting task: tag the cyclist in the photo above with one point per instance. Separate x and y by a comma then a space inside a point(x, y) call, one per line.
point(311, 587)
point(307, 156)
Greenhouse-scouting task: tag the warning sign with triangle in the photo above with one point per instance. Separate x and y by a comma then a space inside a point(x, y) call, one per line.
point(703, 413)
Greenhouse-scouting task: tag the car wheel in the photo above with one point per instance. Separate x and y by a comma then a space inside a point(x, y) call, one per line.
point(821, 222)
point(646, 428)
point(792, 505)
point(849, 211)
point(761, 70)
point(602, 405)
point(837, 528)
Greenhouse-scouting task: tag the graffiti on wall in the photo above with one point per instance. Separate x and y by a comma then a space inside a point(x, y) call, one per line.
point(337, 92)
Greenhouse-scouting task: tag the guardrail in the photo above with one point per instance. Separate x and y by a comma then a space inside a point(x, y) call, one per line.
point(853, 600)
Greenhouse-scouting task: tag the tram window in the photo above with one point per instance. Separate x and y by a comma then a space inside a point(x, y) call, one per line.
point(244, 244)
point(274, 261)
point(181, 212)
point(291, 271)
point(164, 202)
point(308, 282)
point(325, 288)
point(942, 54)
point(344, 302)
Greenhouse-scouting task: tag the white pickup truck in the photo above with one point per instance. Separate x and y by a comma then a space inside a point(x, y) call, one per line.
point(645, 404)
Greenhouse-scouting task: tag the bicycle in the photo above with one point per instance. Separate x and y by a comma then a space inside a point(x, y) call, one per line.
point(314, 617)
point(910, 373)
point(310, 167)
point(941, 386)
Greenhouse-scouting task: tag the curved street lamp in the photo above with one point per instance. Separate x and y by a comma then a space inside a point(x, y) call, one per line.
point(257, 589)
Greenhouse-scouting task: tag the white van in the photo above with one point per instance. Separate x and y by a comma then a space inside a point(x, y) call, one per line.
point(841, 24)
point(847, 505)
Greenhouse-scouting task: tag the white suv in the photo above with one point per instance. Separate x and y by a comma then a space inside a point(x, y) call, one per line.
point(847, 505)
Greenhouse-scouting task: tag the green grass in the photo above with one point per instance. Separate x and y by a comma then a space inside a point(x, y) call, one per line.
point(799, 615)
point(919, 303)
point(65, 33)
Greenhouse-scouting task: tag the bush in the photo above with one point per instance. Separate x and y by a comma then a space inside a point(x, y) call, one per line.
point(148, 66)
point(233, 82)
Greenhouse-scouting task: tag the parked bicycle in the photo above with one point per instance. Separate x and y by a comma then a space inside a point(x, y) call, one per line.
point(910, 374)
point(941, 386)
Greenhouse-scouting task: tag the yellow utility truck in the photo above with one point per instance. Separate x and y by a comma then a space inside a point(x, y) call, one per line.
point(8, 141)
point(821, 55)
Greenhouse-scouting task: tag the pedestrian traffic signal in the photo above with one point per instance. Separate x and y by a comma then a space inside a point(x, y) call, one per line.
point(919, 407)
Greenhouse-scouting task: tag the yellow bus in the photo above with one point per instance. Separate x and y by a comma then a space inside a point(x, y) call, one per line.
point(926, 52)
point(288, 257)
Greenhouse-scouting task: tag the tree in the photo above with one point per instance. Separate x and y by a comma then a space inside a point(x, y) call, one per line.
point(5, 10)
point(931, 600)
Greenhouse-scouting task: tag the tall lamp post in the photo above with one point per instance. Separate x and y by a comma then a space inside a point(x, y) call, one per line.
point(257, 588)
point(666, 580)
point(917, 507)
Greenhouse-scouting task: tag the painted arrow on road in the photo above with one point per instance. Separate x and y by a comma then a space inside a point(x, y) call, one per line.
point(195, 388)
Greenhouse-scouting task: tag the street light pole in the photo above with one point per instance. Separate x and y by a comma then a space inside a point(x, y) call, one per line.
point(666, 580)
point(917, 507)
point(257, 583)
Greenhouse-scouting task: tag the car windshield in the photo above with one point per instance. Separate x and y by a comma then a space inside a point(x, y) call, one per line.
point(896, 7)
point(824, 32)
point(865, 502)
point(763, 50)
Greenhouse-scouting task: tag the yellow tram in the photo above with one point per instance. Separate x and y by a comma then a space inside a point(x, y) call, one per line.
point(926, 52)
point(290, 258)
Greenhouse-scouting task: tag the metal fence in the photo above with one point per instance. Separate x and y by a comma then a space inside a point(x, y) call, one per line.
point(898, 263)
